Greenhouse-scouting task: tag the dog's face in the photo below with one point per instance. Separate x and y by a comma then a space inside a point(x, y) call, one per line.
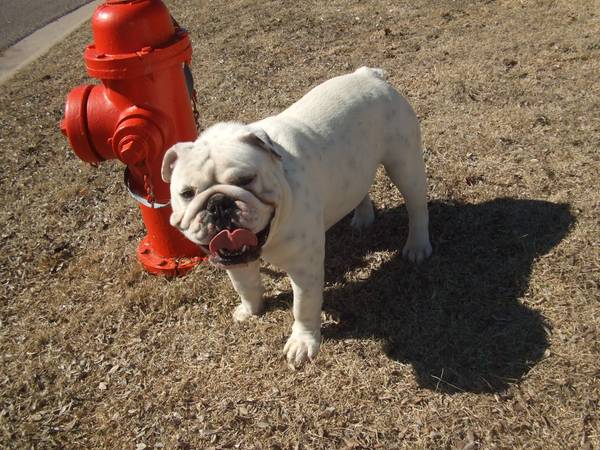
point(224, 185)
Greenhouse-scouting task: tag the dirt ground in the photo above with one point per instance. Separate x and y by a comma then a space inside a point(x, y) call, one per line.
point(494, 343)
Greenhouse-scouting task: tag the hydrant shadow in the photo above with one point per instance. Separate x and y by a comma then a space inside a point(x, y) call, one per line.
point(459, 318)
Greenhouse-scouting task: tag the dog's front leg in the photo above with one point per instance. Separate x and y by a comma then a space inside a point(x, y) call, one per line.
point(307, 285)
point(246, 281)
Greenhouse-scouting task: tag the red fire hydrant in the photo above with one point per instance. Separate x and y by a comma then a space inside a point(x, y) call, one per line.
point(141, 109)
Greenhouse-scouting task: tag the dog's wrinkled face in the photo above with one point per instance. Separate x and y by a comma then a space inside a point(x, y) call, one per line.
point(224, 191)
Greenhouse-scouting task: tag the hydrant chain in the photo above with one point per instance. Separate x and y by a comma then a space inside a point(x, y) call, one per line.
point(149, 190)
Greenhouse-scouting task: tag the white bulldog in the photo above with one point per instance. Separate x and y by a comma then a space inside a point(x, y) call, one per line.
point(272, 188)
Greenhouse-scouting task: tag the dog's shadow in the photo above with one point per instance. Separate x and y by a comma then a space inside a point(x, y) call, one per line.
point(460, 319)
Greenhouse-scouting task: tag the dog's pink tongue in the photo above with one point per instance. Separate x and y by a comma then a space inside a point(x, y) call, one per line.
point(232, 240)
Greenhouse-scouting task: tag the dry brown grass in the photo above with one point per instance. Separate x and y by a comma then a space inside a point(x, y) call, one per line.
point(492, 344)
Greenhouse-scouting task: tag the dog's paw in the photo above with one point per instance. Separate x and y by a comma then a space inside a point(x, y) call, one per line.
point(242, 313)
point(417, 252)
point(302, 346)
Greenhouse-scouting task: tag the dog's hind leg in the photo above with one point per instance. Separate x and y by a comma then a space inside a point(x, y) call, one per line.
point(364, 214)
point(406, 169)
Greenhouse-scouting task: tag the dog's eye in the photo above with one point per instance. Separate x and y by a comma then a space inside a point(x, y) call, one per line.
point(244, 180)
point(188, 193)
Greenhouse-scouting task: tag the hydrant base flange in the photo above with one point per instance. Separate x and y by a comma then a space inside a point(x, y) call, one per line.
point(160, 265)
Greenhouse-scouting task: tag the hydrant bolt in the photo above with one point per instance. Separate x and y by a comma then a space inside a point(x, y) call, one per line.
point(132, 150)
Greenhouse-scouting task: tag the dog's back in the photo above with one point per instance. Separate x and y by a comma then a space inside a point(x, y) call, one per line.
point(347, 126)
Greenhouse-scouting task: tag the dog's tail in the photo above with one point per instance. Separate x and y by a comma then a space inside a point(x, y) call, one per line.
point(375, 72)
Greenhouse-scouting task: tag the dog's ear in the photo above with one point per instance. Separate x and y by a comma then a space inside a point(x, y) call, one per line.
point(257, 137)
point(170, 158)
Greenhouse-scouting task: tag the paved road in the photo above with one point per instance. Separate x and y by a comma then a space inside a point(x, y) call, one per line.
point(19, 18)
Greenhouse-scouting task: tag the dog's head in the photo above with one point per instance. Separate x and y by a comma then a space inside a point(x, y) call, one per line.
point(225, 190)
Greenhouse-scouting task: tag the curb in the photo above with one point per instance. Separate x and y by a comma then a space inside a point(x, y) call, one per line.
point(39, 42)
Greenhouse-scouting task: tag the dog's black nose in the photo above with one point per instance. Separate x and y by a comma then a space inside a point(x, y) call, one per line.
point(222, 209)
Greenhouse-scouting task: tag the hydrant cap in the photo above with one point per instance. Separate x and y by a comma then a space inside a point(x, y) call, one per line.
point(75, 126)
point(119, 53)
point(114, 21)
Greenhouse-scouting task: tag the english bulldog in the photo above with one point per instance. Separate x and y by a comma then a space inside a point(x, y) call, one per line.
point(270, 190)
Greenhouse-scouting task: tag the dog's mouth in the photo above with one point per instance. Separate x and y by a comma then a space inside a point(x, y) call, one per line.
point(235, 247)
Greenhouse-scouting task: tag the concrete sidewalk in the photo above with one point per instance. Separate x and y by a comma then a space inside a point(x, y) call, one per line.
point(38, 43)
point(20, 18)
